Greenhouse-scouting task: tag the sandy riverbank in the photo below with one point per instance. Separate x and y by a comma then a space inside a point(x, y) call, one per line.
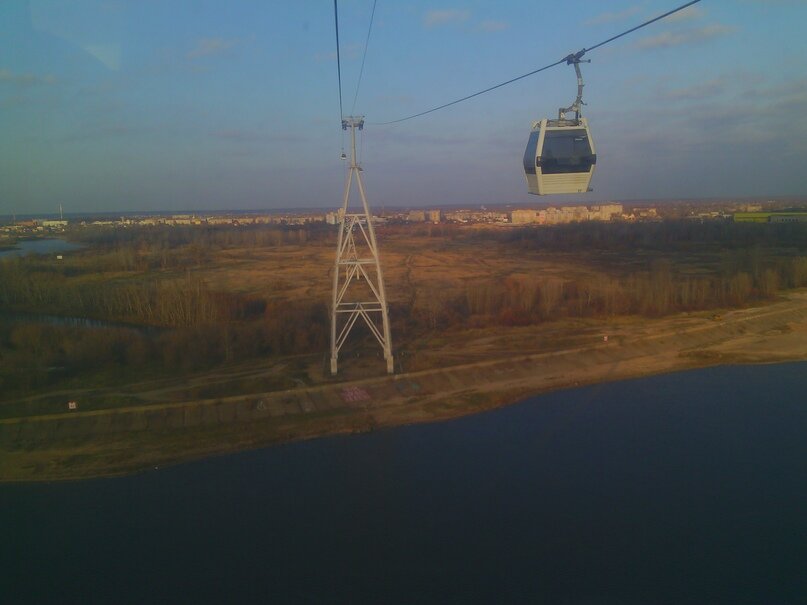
point(128, 439)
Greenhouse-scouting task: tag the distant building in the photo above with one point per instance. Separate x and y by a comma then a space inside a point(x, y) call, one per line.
point(770, 217)
point(459, 216)
point(647, 213)
point(573, 214)
point(417, 216)
point(566, 214)
point(789, 217)
point(607, 212)
point(434, 216)
point(334, 218)
point(523, 217)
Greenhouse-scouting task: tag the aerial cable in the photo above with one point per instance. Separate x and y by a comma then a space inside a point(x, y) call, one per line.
point(363, 57)
point(646, 23)
point(569, 59)
point(338, 58)
point(476, 94)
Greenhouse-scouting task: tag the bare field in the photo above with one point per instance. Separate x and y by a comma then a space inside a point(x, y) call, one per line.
point(459, 349)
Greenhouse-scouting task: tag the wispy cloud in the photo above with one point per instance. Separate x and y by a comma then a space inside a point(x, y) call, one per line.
point(492, 26)
point(613, 17)
point(704, 90)
point(206, 47)
point(9, 77)
point(691, 36)
point(690, 13)
point(435, 18)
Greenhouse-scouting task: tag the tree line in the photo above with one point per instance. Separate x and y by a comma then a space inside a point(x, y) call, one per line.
point(647, 270)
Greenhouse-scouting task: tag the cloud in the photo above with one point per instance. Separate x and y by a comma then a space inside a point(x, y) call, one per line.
point(690, 13)
point(757, 90)
point(704, 90)
point(691, 36)
point(435, 18)
point(10, 77)
point(493, 26)
point(206, 47)
point(613, 17)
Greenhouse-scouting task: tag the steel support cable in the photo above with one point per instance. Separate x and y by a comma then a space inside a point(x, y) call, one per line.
point(567, 59)
point(476, 94)
point(646, 23)
point(338, 58)
point(363, 57)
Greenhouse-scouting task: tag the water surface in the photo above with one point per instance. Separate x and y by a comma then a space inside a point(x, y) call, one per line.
point(40, 246)
point(683, 488)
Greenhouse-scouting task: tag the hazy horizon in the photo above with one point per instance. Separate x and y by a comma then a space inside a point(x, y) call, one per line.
point(539, 202)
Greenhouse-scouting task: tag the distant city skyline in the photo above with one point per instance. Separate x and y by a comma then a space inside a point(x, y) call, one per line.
point(124, 106)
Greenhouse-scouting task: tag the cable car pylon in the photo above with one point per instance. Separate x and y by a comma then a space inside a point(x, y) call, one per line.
point(358, 282)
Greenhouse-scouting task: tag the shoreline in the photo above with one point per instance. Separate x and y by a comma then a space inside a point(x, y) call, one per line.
point(128, 440)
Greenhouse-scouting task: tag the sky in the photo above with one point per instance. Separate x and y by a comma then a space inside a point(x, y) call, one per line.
point(142, 105)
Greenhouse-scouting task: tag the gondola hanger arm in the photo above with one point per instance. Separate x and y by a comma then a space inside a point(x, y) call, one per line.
point(575, 59)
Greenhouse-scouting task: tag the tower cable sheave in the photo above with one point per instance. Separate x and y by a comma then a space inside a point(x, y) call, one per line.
point(570, 59)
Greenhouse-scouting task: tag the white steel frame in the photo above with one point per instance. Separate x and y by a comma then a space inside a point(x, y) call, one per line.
point(350, 267)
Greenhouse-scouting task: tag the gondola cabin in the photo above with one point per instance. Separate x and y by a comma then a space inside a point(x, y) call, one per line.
point(560, 157)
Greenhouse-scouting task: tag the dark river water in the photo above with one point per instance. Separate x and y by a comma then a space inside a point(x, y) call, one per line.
point(40, 246)
point(683, 488)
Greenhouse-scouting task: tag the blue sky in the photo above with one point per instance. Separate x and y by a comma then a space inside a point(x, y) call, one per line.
point(131, 105)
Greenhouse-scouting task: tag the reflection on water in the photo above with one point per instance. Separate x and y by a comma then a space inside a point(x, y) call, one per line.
point(40, 246)
point(683, 488)
point(53, 320)
point(10, 317)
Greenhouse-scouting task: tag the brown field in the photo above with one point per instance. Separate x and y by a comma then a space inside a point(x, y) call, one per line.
point(447, 364)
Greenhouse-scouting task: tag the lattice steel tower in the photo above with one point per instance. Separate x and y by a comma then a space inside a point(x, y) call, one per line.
point(358, 283)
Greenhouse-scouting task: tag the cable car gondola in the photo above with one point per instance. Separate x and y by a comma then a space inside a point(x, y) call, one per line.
point(560, 155)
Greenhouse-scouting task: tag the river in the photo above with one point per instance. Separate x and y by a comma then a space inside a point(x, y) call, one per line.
point(40, 246)
point(680, 488)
